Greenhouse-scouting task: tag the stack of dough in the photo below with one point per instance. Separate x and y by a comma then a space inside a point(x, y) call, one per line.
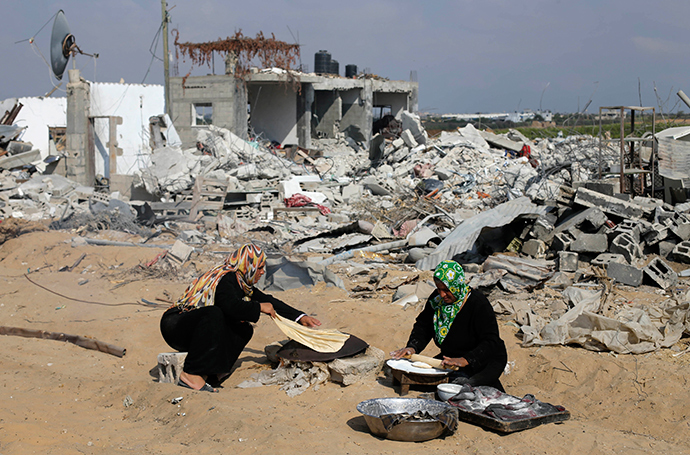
point(320, 340)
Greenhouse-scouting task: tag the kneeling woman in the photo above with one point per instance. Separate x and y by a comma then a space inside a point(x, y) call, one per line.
point(211, 321)
point(464, 327)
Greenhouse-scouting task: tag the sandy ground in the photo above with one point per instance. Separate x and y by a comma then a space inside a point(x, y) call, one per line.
point(58, 398)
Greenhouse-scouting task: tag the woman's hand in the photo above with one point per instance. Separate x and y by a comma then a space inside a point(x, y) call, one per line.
point(267, 308)
point(402, 352)
point(309, 321)
point(454, 361)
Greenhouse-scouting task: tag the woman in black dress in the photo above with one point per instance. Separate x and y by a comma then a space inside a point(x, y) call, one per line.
point(211, 321)
point(463, 325)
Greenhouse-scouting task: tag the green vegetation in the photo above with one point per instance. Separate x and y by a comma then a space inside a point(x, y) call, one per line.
point(565, 125)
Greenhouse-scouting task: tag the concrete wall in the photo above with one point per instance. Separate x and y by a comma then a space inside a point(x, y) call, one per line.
point(274, 112)
point(328, 113)
point(134, 104)
point(227, 96)
point(397, 101)
point(38, 115)
point(354, 114)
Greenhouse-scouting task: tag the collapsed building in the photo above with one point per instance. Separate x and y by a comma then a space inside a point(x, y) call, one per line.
point(546, 226)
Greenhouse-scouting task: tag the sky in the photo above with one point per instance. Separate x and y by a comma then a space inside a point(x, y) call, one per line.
point(468, 56)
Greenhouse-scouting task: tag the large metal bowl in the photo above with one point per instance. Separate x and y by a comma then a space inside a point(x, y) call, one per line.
point(411, 430)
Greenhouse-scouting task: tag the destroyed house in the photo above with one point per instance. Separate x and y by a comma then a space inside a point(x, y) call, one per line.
point(287, 108)
point(98, 130)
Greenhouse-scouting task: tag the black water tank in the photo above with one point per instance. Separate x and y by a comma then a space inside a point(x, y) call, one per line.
point(322, 62)
point(335, 67)
point(350, 71)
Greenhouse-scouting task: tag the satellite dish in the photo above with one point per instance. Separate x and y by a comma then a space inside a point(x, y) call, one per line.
point(62, 44)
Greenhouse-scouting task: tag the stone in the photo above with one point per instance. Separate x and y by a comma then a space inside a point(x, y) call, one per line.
point(170, 366)
point(624, 273)
point(358, 368)
point(661, 273)
point(567, 261)
point(590, 243)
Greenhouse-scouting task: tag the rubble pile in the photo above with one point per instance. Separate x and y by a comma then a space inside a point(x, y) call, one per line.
point(527, 219)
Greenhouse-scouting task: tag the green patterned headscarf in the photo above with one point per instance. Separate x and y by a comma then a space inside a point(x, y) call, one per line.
point(452, 275)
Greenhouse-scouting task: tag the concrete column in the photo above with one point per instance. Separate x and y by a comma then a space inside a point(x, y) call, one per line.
point(304, 115)
point(413, 102)
point(368, 114)
point(78, 111)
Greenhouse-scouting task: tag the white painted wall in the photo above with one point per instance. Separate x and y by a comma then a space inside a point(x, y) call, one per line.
point(38, 114)
point(274, 112)
point(135, 103)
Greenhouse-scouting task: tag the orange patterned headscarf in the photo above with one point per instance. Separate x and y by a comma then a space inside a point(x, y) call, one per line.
point(246, 262)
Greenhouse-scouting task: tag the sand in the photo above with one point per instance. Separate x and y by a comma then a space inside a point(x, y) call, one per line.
point(59, 398)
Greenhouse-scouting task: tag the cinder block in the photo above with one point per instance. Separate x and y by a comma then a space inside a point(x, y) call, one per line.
point(359, 368)
point(567, 261)
point(631, 227)
point(590, 243)
point(170, 366)
point(656, 234)
point(661, 215)
point(681, 252)
point(661, 273)
point(606, 258)
point(624, 244)
point(624, 273)
point(680, 226)
point(535, 248)
point(562, 241)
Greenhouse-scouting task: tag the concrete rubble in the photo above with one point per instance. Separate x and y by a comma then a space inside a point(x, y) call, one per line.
point(520, 223)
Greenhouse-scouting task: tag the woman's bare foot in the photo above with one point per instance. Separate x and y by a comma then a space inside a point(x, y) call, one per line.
point(194, 381)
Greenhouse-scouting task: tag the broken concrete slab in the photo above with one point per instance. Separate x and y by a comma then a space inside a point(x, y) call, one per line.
point(501, 142)
point(624, 273)
point(462, 238)
point(609, 204)
point(534, 248)
point(412, 123)
point(408, 138)
point(590, 243)
point(605, 259)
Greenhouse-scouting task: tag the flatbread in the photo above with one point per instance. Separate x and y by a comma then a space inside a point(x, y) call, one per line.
point(320, 340)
